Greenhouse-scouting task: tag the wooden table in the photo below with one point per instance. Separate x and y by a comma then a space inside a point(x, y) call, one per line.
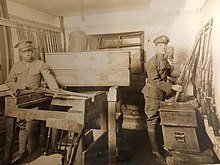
point(81, 110)
point(100, 68)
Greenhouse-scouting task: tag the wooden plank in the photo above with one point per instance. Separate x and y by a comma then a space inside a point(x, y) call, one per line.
point(4, 93)
point(3, 87)
point(75, 104)
point(91, 59)
point(92, 77)
point(43, 115)
point(99, 105)
point(64, 124)
point(111, 133)
point(34, 102)
point(99, 145)
point(25, 98)
point(95, 68)
point(79, 108)
point(137, 59)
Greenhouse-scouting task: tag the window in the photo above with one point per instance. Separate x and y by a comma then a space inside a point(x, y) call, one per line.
point(116, 40)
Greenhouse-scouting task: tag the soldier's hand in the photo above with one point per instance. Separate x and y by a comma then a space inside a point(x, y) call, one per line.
point(55, 95)
point(177, 88)
point(23, 86)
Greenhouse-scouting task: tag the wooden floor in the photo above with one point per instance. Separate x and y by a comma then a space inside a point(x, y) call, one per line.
point(135, 151)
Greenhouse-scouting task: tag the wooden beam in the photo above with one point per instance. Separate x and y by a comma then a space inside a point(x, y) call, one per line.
point(23, 113)
point(62, 27)
point(112, 132)
point(64, 124)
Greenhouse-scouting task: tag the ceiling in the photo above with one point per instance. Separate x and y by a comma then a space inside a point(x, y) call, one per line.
point(75, 7)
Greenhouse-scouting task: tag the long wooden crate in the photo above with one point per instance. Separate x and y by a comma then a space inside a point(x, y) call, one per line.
point(93, 68)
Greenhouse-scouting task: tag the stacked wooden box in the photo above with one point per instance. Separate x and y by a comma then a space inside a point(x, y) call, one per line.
point(132, 94)
point(133, 117)
point(132, 98)
point(179, 124)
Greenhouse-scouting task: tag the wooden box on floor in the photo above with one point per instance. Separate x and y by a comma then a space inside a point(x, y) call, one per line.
point(133, 117)
point(92, 146)
point(179, 124)
point(190, 158)
point(93, 141)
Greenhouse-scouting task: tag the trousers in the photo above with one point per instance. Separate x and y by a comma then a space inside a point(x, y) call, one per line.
point(28, 136)
point(152, 112)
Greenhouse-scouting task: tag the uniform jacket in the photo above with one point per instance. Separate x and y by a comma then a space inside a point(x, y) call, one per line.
point(157, 71)
point(31, 74)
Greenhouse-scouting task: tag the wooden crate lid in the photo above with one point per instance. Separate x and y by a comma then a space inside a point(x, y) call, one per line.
point(176, 106)
point(178, 114)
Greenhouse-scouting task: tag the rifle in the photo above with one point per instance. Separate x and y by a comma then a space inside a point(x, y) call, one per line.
point(212, 116)
point(186, 67)
point(62, 94)
point(199, 65)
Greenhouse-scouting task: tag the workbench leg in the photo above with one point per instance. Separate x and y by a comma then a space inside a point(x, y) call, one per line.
point(54, 139)
point(43, 134)
point(43, 129)
point(111, 133)
point(9, 140)
point(104, 119)
point(112, 139)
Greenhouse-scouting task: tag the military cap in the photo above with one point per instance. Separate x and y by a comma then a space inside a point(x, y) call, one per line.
point(24, 45)
point(161, 39)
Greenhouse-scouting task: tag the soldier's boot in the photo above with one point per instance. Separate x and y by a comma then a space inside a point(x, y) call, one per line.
point(155, 149)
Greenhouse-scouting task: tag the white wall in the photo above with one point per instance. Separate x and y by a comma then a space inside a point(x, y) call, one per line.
point(175, 18)
point(31, 14)
point(108, 23)
point(179, 26)
point(213, 10)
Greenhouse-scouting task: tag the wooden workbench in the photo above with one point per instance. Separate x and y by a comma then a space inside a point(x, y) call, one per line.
point(82, 111)
point(101, 68)
point(81, 69)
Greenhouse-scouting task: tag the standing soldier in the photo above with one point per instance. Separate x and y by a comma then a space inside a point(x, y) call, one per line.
point(155, 91)
point(27, 74)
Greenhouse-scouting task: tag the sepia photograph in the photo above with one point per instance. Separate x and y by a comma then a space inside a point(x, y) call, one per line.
point(117, 82)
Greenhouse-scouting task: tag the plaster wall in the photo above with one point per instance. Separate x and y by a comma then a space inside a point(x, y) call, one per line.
point(32, 14)
point(176, 19)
